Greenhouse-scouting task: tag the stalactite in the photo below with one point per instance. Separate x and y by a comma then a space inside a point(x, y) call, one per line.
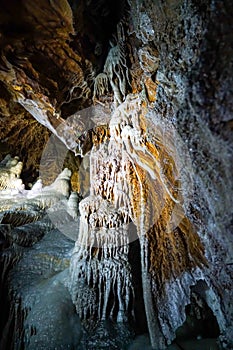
point(133, 179)
point(101, 252)
point(116, 67)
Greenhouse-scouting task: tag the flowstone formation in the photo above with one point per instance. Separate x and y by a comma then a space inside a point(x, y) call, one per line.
point(30, 221)
point(136, 193)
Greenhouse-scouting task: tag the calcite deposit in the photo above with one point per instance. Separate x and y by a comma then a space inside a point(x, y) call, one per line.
point(115, 203)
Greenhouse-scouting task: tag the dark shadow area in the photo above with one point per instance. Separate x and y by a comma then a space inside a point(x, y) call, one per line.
point(200, 321)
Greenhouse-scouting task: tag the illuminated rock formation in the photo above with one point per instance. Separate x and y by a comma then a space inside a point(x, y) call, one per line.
point(10, 170)
point(141, 94)
point(135, 177)
point(20, 206)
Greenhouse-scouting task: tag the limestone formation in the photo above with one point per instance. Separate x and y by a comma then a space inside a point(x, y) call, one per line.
point(116, 67)
point(141, 93)
point(101, 85)
point(20, 206)
point(10, 170)
point(131, 182)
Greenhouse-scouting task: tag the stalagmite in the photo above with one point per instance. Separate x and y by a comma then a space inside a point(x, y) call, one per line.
point(10, 170)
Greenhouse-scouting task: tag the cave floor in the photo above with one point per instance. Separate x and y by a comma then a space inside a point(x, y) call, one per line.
point(40, 277)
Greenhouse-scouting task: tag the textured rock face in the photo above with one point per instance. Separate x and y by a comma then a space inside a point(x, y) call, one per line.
point(187, 96)
point(133, 178)
point(154, 233)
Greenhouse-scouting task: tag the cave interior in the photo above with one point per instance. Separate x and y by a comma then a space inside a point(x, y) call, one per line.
point(116, 174)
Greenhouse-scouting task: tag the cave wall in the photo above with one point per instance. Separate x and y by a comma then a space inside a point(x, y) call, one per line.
point(194, 94)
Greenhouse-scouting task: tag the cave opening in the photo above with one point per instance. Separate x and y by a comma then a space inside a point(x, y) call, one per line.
point(200, 322)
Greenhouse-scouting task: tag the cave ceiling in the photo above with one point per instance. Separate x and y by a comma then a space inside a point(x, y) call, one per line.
point(50, 54)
